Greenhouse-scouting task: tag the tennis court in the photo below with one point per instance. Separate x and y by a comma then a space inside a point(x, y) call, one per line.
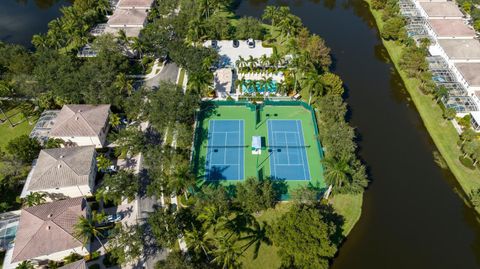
point(287, 149)
point(225, 150)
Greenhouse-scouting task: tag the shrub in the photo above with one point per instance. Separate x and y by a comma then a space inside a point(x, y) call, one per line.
point(109, 260)
point(94, 266)
point(467, 162)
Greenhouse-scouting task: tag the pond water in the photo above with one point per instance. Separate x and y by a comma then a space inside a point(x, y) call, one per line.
point(412, 216)
point(21, 19)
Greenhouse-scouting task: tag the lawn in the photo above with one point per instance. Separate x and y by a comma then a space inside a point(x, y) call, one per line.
point(442, 132)
point(181, 77)
point(350, 207)
point(267, 256)
point(260, 164)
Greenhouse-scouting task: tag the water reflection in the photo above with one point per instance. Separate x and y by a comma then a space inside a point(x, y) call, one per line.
point(21, 19)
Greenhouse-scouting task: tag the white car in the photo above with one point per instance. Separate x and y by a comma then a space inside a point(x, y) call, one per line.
point(251, 43)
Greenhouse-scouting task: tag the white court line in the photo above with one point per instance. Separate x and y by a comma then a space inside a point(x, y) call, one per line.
point(271, 134)
point(302, 152)
point(224, 151)
point(238, 154)
point(286, 145)
point(212, 125)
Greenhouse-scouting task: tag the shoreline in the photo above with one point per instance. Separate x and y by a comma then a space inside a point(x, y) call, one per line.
point(442, 132)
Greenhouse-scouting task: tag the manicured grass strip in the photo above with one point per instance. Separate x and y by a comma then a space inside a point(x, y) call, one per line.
point(267, 256)
point(442, 132)
point(350, 207)
point(181, 77)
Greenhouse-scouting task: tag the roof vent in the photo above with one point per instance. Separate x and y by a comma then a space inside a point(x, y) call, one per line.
point(61, 156)
point(48, 228)
point(76, 118)
point(59, 166)
point(50, 215)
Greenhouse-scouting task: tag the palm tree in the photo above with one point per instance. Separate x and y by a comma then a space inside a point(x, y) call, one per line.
point(210, 216)
point(275, 58)
point(40, 41)
point(240, 83)
point(114, 120)
point(227, 254)
point(103, 6)
point(86, 228)
point(182, 178)
point(282, 87)
point(103, 163)
point(251, 85)
point(123, 84)
point(25, 265)
point(34, 198)
point(123, 38)
point(271, 13)
point(256, 235)
point(337, 172)
point(241, 63)
point(313, 85)
point(200, 82)
point(264, 61)
point(252, 63)
point(137, 46)
point(198, 241)
point(5, 91)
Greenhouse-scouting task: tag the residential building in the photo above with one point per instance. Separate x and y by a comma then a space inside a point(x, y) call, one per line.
point(439, 10)
point(135, 4)
point(131, 21)
point(457, 50)
point(82, 125)
point(475, 120)
point(75, 265)
point(63, 172)
point(46, 232)
point(450, 29)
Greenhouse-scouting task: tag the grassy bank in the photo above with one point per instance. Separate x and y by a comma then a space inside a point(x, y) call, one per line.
point(442, 132)
point(348, 205)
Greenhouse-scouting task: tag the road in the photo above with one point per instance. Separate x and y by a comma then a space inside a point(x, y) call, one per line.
point(169, 73)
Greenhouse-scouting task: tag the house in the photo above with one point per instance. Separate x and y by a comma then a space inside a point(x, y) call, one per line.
point(82, 125)
point(46, 232)
point(135, 4)
point(457, 50)
point(450, 29)
point(475, 120)
point(128, 18)
point(63, 172)
point(439, 10)
point(469, 75)
point(81, 264)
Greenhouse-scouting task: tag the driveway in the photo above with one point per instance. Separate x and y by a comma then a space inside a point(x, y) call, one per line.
point(169, 73)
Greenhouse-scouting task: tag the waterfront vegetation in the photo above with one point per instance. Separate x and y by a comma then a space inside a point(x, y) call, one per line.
point(224, 227)
point(409, 60)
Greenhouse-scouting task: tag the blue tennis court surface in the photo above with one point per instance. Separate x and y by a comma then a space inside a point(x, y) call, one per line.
point(226, 149)
point(288, 159)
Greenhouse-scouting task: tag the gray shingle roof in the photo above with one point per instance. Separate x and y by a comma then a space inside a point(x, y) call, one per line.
point(470, 72)
point(128, 17)
point(135, 3)
point(441, 9)
point(75, 265)
point(62, 167)
point(80, 120)
point(47, 229)
point(461, 49)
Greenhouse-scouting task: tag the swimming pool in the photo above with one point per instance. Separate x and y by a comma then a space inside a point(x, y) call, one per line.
point(270, 87)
